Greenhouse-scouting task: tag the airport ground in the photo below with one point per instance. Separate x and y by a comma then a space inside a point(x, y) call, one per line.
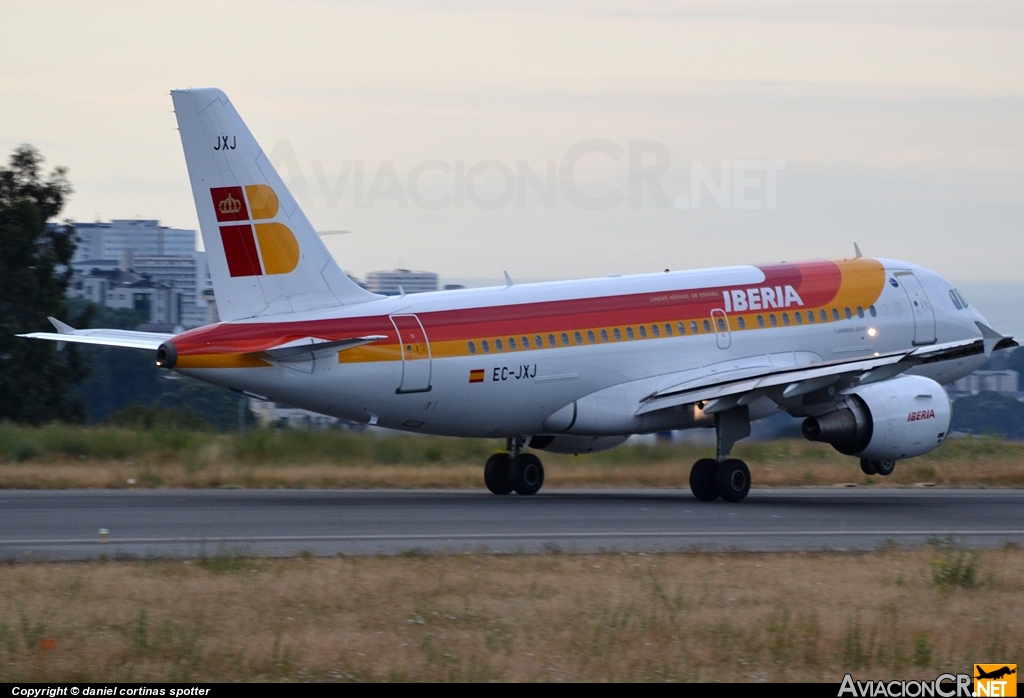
point(68, 457)
point(890, 613)
point(228, 615)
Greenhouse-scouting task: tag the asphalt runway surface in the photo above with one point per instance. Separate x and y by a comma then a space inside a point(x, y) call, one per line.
point(58, 525)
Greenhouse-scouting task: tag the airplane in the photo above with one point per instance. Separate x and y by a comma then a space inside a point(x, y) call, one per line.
point(994, 674)
point(858, 347)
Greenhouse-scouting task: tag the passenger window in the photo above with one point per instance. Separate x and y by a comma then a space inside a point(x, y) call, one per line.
point(772, 320)
point(497, 345)
point(681, 327)
point(693, 326)
point(874, 313)
point(810, 316)
point(472, 347)
point(643, 332)
point(835, 314)
point(590, 336)
point(487, 347)
point(896, 310)
point(565, 339)
point(798, 317)
point(537, 342)
point(629, 332)
point(617, 334)
point(577, 337)
point(860, 312)
point(721, 325)
point(846, 311)
point(668, 329)
point(760, 320)
point(511, 343)
point(655, 331)
point(785, 318)
point(551, 340)
point(743, 323)
point(604, 335)
point(526, 342)
point(956, 301)
point(707, 326)
point(822, 315)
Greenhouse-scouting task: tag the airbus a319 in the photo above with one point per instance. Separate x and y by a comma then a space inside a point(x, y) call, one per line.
point(859, 347)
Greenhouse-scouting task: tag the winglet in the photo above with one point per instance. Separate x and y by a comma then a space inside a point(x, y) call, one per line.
point(993, 340)
point(61, 327)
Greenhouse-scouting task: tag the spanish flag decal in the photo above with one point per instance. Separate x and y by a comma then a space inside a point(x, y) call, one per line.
point(476, 375)
point(271, 248)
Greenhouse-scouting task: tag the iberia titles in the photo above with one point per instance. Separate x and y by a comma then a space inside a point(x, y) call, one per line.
point(763, 298)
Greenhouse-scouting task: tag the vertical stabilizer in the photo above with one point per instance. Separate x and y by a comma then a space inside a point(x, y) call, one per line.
point(264, 256)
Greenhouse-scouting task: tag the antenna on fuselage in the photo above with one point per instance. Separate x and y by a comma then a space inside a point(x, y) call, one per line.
point(856, 249)
point(508, 280)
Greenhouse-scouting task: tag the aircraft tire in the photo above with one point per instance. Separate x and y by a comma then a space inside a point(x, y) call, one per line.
point(732, 477)
point(702, 480)
point(868, 466)
point(527, 474)
point(885, 467)
point(497, 473)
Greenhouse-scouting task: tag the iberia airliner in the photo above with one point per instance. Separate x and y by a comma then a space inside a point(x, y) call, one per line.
point(858, 347)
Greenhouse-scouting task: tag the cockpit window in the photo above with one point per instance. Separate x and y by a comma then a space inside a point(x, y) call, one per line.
point(956, 301)
point(961, 297)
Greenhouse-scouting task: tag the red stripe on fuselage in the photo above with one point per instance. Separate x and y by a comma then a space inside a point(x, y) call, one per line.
point(816, 282)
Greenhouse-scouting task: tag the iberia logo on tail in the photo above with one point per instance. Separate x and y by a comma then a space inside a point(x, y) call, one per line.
point(271, 249)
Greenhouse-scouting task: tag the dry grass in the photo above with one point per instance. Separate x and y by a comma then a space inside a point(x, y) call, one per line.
point(715, 617)
point(60, 456)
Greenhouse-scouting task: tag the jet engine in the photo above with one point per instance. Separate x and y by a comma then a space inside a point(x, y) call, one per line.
point(894, 419)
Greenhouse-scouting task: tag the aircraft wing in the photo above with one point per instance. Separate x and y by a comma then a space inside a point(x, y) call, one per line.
point(728, 389)
point(127, 339)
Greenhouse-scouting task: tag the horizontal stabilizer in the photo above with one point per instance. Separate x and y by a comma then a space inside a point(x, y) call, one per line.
point(127, 339)
point(306, 348)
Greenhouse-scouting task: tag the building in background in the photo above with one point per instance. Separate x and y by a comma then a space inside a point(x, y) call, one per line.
point(142, 265)
point(273, 414)
point(996, 381)
point(393, 283)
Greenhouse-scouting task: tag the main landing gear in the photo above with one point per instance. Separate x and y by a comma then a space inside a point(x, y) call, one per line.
point(518, 472)
point(728, 478)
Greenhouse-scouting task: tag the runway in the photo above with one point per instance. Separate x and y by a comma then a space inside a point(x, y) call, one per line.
point(68, 525)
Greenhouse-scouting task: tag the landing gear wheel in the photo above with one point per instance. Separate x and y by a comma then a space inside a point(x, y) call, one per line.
point(527, 474)
point(885, 467)
point(868, 466)
point(702, 480)
point(732, 477)
point(497, 473)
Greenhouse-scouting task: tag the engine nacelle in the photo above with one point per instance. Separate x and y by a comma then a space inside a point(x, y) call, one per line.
point(576, 444)
point(899, 418)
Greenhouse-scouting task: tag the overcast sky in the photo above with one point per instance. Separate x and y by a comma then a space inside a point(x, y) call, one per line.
point(678, 135)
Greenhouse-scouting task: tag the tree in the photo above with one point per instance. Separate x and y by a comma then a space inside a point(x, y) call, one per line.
point(34, 274)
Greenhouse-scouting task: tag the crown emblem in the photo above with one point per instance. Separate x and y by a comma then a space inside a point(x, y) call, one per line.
point(230, 204)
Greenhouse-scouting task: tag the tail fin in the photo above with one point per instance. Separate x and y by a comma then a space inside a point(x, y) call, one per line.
point(264, 256)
